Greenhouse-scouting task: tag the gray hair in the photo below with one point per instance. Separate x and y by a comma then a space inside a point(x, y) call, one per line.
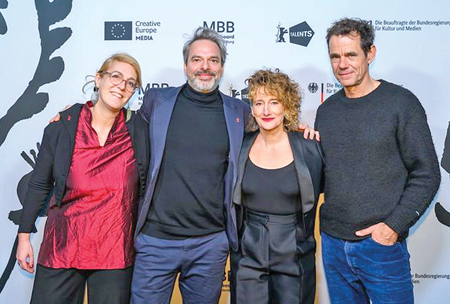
point(204, 33)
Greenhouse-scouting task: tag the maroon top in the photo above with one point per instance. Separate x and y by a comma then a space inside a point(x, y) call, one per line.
point(93, 228)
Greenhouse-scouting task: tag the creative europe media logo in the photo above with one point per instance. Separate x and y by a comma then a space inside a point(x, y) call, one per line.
point(118, 30)
point(131, 30)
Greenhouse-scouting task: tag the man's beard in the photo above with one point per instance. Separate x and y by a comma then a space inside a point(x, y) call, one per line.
point(204, 86)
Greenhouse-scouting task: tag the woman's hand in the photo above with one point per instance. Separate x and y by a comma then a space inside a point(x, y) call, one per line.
point(57, 117)
point(24, 254)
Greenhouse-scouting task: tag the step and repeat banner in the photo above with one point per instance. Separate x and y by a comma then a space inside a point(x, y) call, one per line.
point(47, 48)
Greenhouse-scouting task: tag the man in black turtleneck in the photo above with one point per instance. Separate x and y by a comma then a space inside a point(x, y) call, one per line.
point(186, 221)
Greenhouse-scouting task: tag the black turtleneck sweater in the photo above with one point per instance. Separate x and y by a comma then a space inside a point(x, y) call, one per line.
point(189, 193)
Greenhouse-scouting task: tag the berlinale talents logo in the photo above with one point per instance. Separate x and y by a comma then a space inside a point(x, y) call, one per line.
point(300, 34)
point(242, 94)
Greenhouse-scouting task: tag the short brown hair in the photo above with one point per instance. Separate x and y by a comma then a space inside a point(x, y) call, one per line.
point(358, 27)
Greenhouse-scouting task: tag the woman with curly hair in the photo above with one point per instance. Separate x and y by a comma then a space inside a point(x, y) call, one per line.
point(279, 182)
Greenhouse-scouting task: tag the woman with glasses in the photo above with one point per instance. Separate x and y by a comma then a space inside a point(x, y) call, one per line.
point(279, 181)
point(93, 163)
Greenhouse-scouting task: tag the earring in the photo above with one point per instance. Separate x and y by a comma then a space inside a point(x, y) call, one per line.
point(94, 96)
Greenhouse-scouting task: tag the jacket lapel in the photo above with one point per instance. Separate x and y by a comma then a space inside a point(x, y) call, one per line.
point(69, 119)
point(303, 174)
point(246, 145)
point(235, 127)
point(159, 126)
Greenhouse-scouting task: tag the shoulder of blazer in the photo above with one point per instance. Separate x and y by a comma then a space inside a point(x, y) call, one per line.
point(154, 96)
point(73, 110)
point(69, 117)
point(235, 102)
point(170, 92)
point(311, 147)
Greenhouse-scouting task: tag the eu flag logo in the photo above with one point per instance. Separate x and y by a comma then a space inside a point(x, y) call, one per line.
point(118, 30)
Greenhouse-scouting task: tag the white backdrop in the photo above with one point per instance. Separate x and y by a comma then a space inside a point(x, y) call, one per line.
point(413, 48)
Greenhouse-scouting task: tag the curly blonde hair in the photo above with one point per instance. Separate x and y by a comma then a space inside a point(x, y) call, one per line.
point(282, 87)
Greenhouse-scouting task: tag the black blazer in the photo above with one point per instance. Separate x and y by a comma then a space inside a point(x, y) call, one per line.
point(308, 163)
point(55, 156)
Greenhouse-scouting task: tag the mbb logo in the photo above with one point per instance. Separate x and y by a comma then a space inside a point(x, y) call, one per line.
point(220, 26)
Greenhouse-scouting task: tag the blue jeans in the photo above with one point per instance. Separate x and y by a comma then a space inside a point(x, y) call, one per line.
point(199, 260)
point(357, 271)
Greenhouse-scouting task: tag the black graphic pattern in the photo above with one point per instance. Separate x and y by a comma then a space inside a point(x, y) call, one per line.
point(3, 26)
point(443, 215)
point(48, 69)
point(14, 215)
point(30, 102)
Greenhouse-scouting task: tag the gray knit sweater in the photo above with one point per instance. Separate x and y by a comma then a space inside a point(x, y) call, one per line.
point(381, 165)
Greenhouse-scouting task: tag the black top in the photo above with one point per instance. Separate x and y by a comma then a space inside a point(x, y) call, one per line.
point(381, 165)
point(273, 191)
point(189, 193)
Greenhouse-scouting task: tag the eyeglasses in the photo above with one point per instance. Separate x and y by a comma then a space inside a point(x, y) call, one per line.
point(116, 78)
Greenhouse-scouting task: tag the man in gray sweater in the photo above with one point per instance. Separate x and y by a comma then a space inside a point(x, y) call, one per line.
point(381, 174)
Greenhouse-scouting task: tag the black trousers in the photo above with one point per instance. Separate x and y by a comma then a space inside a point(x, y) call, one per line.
point(270, 266)
point(66, 286)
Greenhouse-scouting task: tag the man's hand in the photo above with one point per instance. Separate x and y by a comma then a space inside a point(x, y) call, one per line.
point(380, 233)
point(24, 254)
point(308, 132)
point(57, 117)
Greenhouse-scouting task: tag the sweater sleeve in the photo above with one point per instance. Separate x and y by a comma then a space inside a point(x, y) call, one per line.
point(40, 184)
point(420, 159)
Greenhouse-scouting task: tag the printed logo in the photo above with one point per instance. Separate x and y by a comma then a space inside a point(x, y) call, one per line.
point(324, 89)
point(280, 33)
point(242, 94)
point(442, 214)
point(123, 30)
point(142, 90)
point(118, 30)
point(224, 28)
point(313, 87)
point(226, 279)
point(153, 85)
point(146, 29)
point(300, 34)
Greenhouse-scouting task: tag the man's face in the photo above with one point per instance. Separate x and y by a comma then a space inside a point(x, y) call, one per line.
point(350, 64)
point(204, 68)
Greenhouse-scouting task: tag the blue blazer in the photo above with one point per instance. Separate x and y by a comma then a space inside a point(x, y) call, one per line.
point(157, 110)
